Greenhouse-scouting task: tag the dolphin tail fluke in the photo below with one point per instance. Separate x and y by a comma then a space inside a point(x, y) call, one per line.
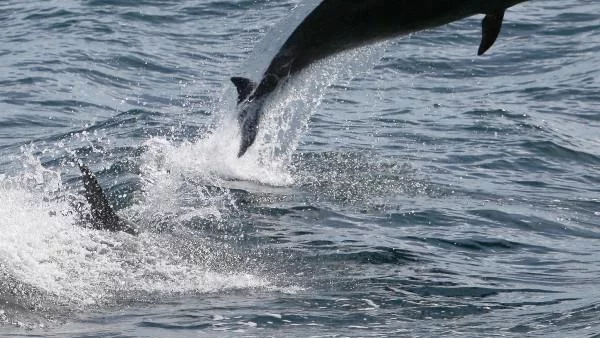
point(244, 87)
point(103, 216)
point(491, 25)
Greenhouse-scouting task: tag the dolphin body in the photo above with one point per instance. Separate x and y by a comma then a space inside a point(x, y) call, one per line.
point(338, 25)
point(102, 214)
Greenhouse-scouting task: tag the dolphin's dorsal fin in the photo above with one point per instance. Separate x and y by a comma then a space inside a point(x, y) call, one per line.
point(103, 215)
point(490, 28)
point(244, 87)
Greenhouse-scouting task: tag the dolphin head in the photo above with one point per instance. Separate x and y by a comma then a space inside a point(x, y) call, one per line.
point(249, 118)
point(252, 109)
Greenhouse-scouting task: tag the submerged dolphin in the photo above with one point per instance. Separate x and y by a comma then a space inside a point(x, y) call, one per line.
point(103, 217)
point(337, 25)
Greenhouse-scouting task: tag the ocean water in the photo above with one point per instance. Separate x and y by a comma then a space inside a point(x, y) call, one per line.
point(405, 189)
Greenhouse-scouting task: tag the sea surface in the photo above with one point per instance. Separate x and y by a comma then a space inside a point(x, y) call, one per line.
point(404, 189)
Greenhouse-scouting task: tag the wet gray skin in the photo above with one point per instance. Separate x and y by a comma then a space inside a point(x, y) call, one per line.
point(338, 25)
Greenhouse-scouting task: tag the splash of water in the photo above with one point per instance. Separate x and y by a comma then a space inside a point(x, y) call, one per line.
point(49, 260)
point(284, 122)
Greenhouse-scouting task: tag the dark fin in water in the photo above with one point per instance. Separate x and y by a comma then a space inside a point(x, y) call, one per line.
point(490, 26)
point(102, 213)
point(244, 87)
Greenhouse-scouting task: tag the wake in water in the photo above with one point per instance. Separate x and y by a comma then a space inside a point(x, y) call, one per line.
point(438, 194)
point(51, 264)
point(213, 157)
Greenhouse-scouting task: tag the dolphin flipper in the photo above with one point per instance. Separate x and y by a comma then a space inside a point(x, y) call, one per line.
point(244, 87)
point(490, 26)
point(102, 214)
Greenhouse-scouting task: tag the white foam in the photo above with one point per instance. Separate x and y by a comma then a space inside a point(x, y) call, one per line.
point(43, 246)
point(285, 120)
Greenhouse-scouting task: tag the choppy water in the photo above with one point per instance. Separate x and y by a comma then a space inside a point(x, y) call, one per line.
point(437, 194)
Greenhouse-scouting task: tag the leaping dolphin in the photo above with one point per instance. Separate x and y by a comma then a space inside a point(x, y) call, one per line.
point(338, 25)
point(103, 217)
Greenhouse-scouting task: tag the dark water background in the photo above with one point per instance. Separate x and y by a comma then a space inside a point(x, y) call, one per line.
point(437, 194)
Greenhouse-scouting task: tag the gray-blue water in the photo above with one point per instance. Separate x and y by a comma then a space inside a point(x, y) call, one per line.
point(407, 189)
